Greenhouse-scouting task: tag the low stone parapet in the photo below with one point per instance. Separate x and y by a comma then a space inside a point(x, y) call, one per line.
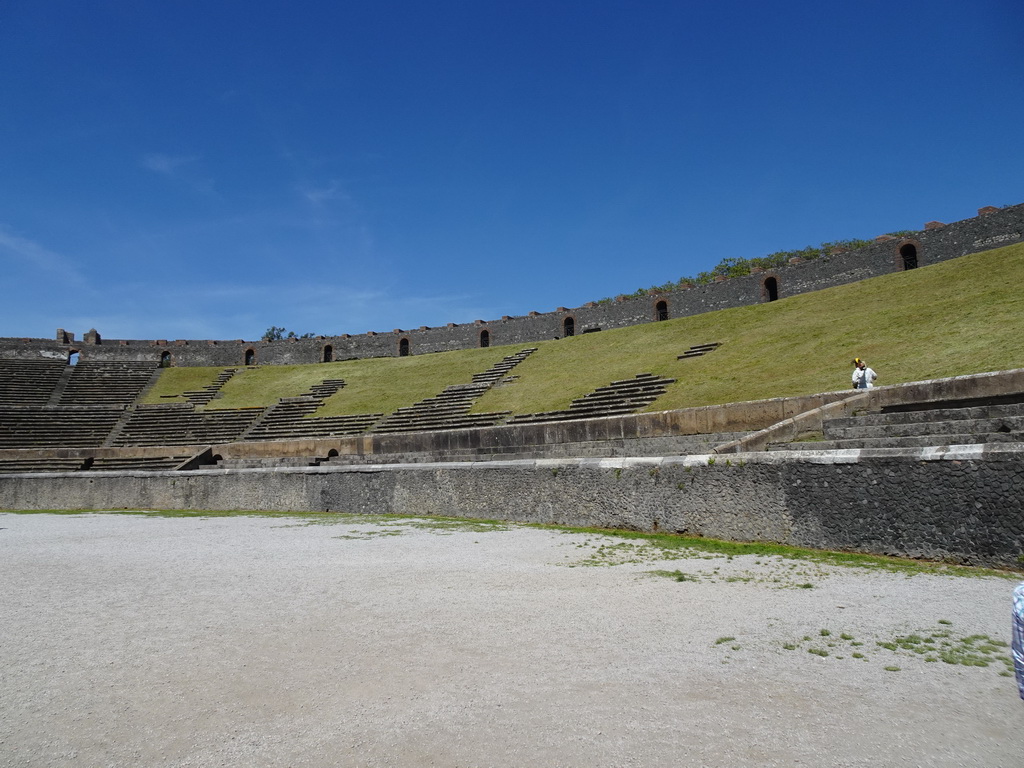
point(962, 504)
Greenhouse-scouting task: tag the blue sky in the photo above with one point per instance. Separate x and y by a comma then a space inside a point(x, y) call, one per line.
point(208, 169)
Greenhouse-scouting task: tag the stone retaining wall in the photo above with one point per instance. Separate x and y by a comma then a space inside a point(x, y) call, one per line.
point(961, 504)
point(992, 228)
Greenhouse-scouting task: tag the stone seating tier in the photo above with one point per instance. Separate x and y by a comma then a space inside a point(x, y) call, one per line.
point(40, 465)
point(290, 419)
point(457, 421)
point(29, 382)
point(180, 424)
point(619, 397)
point(56, 426)
point(102, 383)
point(926, 427)
point(114, 463)
point(89, 463)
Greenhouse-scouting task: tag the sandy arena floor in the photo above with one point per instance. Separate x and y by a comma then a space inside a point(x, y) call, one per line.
point(131, 640)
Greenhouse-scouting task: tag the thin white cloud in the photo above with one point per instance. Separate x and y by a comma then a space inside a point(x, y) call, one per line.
point(334, 191)
point(167, 165)
point(37, 257)
point(321, 195)
point(180, 168)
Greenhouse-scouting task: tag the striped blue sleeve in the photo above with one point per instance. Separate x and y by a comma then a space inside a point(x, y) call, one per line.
point(1018, 636)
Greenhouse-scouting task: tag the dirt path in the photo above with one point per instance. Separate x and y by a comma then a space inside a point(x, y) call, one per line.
point(135, 640)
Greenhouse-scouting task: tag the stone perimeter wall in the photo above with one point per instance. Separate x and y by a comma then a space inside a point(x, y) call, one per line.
point(992, 228)
point(961, 504)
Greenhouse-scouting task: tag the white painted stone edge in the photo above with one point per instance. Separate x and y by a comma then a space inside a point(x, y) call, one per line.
point(971, 452)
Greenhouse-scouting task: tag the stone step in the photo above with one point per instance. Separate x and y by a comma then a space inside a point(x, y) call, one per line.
point(936, 428)
point(931, 415)
point(40, 465)
point(698, 350)
point(651, 393)
point(269, 462)
point(113, 463)
point(465, 422)
point(920, 441)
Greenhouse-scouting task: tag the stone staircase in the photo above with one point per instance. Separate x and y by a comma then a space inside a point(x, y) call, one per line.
point(29, 382)
point(450, 408)
point(287, 420)
point(290, 418)
point(500, 369)
point(920, 428)
point(619, 397)
point(699, 350)
point(181, 424)
point(103, 383)
point(203, 396)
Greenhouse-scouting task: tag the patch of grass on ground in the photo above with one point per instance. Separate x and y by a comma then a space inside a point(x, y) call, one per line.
point(602, 547)
point(928, 645)
point(621, 547)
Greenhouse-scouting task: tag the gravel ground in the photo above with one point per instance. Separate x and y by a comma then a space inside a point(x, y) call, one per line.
point(153, 641)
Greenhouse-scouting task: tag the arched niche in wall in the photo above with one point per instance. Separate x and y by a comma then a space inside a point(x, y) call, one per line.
point(250, 356)
point(403, 347)
point(73, 356)
point(165, 359)
point(328, 353)
point(569, 326)
point(908, 256)
point(770, 288)
point(485, 338)
point(661, 311)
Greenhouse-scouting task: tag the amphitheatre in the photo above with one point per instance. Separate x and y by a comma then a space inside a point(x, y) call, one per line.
point(690, 405)
point(215, 620)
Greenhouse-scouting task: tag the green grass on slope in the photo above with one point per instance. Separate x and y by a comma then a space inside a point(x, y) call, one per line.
point(378, 385)
point(958, 317)
point(174, 381)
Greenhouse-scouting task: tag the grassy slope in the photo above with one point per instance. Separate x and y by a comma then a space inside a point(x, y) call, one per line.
point(958, 317)
point(174, 381)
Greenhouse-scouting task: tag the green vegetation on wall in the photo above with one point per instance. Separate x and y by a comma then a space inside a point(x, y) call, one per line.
point(738, 267)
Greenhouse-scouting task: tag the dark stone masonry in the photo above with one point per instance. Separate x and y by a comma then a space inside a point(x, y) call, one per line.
point(913, 505)
point(991, 228)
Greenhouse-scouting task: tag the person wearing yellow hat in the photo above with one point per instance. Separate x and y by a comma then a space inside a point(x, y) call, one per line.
point(863, 377)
